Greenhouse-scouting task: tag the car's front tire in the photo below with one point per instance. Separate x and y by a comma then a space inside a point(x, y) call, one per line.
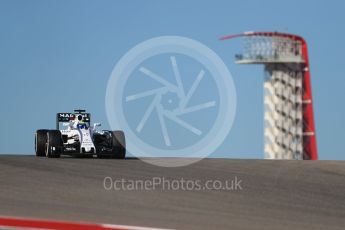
point(115, 143)
point(54, 144)
point(118, 144)
point(40, 142)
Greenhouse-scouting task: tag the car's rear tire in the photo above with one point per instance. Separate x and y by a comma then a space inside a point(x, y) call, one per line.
point(40, 142)
point(118, 144)
point(54, 144)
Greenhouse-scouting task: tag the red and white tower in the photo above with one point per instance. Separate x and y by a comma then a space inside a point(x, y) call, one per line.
point(289, 118)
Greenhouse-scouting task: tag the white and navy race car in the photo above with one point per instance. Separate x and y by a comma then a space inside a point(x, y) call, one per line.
point(79, 138)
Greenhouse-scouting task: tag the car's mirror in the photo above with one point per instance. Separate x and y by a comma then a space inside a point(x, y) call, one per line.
point(96, 124)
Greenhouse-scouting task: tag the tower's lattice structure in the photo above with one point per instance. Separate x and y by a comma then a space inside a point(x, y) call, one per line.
point(289, 121)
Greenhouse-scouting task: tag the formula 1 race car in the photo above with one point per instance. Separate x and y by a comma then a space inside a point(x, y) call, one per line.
point(79, 139)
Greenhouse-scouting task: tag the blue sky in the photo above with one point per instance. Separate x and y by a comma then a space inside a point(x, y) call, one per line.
point(58, 55)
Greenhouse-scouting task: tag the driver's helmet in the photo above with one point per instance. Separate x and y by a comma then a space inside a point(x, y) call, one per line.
point(80, 124)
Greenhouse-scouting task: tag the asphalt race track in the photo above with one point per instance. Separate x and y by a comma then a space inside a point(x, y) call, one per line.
point(274, 194)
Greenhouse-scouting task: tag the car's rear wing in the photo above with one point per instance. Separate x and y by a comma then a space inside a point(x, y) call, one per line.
point(67, 117)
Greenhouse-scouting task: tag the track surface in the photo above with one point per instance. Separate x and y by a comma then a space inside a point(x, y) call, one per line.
point(274, 195)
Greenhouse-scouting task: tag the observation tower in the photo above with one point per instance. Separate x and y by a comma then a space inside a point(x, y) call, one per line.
point(288, 105)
